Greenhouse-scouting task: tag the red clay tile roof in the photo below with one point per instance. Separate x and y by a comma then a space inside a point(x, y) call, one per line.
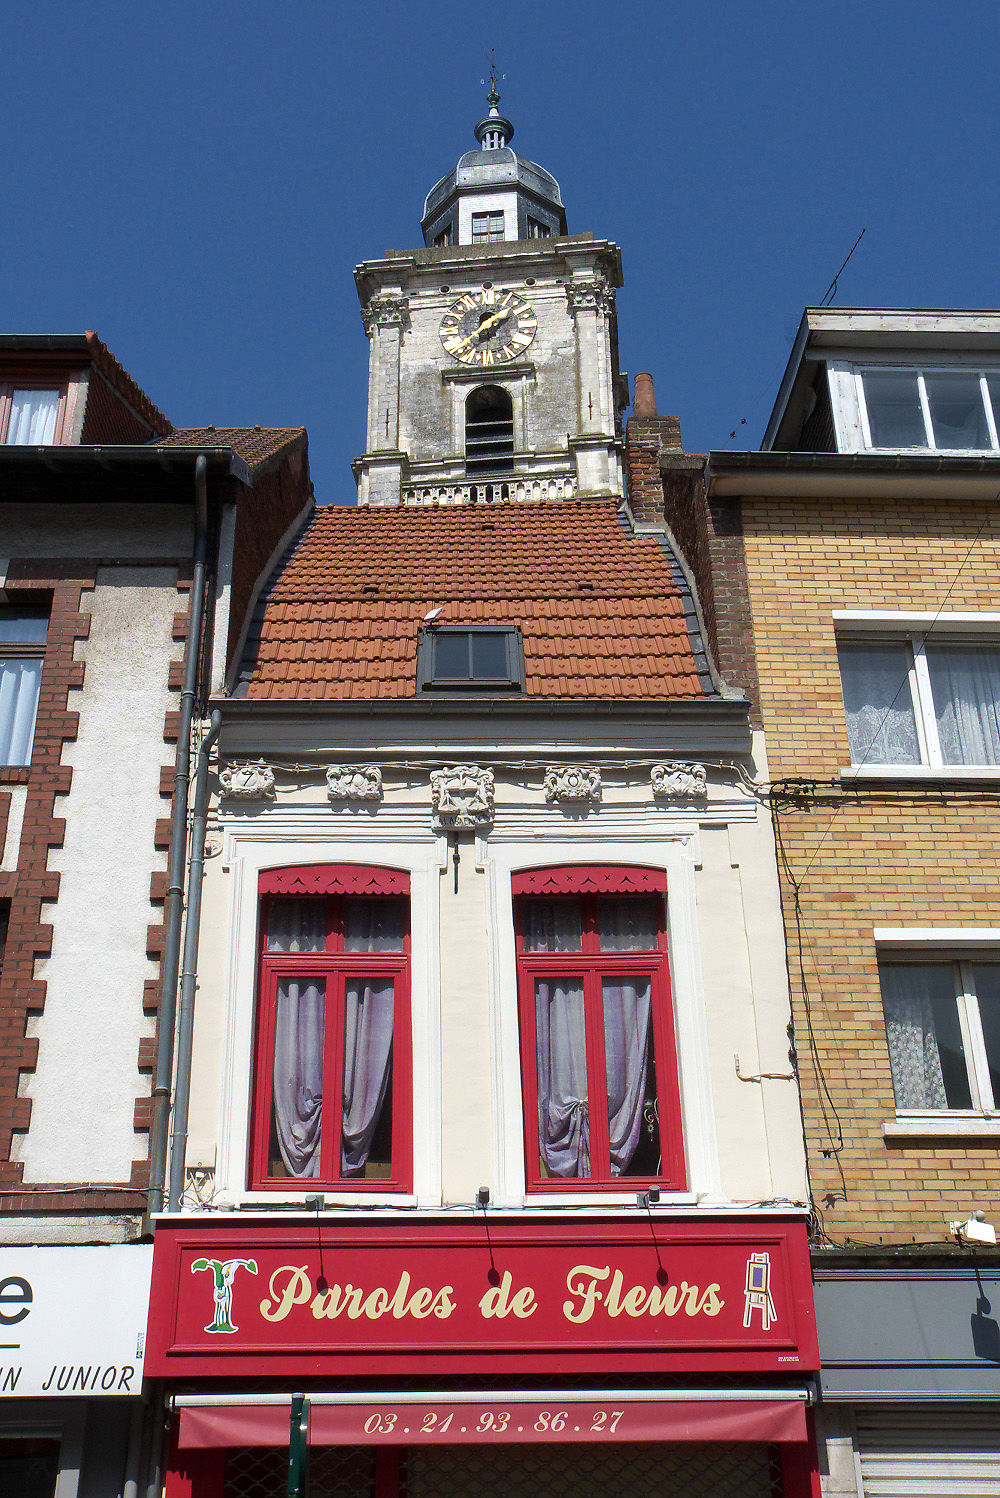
point(255, 445)
point(602, 614)
point(123, 382)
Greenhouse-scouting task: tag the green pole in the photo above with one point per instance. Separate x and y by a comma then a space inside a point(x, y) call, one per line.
point(298, 1448)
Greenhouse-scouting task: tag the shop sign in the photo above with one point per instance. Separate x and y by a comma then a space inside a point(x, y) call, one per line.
point(685, 1295)
point(73, 1321)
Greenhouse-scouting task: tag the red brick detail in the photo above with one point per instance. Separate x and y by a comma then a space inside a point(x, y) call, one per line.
point(66, 1197)
point(280, 493)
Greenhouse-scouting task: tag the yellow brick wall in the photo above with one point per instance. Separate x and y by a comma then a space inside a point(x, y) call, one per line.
point(899, 855)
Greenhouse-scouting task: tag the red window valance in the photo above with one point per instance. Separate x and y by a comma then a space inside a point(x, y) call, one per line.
point(589, 879)
point(334, 879)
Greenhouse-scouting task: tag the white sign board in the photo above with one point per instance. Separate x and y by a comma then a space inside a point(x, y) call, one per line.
point(73, 1321)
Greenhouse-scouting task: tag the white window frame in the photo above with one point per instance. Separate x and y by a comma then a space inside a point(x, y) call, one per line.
point(855, 626)
point(288, 841)
point(949, 945)
point(501, 859)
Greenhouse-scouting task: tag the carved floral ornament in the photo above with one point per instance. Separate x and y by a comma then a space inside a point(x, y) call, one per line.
point(677, 778)
point(573, 785)
point(461, 796)
point(596, 295)
point(384, 311)
point(354, 783)
point(247, 780)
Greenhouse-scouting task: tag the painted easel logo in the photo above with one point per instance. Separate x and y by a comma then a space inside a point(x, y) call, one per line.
point(758, 1291)
point(224, 1272)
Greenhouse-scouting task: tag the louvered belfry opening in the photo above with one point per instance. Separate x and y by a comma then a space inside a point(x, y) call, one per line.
point(489, 431)
point(721, 1470)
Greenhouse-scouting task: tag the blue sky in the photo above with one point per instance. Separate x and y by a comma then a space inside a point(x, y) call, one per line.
point(197, 183)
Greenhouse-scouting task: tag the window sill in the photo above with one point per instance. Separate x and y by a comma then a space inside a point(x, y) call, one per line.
point(14, 774)
point(942, 1125)
point(925, 773)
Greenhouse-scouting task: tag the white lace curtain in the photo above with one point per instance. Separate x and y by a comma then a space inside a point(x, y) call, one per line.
point(299, 1037)
point(881, 726)
point(908, 993)
point(965, 684)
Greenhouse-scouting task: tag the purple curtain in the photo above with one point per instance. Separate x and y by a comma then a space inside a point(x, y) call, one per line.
point(298, 1073)
point(300, 925)
point(561, 1049)
point(627, 1019)
point(369, 1008)
point(625, 924)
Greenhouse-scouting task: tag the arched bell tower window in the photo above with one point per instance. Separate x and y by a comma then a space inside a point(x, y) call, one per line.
point(489, 431)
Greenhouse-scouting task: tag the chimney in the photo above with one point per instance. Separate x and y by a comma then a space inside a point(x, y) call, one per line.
point(644, 399)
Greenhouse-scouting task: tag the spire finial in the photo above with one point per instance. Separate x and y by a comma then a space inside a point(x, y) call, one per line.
point(494, 131)
point(493, 97)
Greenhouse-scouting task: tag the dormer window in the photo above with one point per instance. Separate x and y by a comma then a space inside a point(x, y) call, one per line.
point(943, 410)
point(30, 417)
point(538, 230)
point(484, 658)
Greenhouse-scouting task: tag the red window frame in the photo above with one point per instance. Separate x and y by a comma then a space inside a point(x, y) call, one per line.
point(335, 883)
point(592, 965)
point(29, 382)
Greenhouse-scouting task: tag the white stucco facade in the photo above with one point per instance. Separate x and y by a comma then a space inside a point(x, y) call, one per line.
point(84, 1089)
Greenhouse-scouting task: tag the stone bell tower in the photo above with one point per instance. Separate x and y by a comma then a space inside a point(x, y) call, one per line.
point(493, 371)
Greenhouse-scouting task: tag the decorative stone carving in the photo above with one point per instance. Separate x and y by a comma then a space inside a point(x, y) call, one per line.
point(462, 796)
point(354, 783)
point(592, 296)
point(247, 780)
point(383, 311)
point(573, 785)
point(675, 778)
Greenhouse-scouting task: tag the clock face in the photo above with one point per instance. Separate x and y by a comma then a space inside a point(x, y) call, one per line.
point(488, 327)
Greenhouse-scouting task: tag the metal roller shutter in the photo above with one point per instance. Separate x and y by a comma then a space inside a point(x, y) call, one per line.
point(930, 1451)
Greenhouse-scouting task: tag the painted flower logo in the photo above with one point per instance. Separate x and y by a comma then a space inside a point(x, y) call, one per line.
point(224, 1272)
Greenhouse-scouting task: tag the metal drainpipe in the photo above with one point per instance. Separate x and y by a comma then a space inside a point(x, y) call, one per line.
point(178, 853)
point(189, 969)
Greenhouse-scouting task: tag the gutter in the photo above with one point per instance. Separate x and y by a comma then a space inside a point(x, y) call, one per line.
point(189, 977)
point(178, 851)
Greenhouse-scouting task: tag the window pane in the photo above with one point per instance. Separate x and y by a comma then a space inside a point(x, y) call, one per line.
point(297, 1092)
point(374, 925)
point(965, 685)
point(489, 657)
point(881, 725)
point(925, 1042)
point(23, 629)
point(633, 1112)
point(993, 386)
point(957, 413)
point(296, 925)
point(366, 1134)
point(32, 417)
point(552, 925)
point(627, 923)
point(561, 1058)
point(894, 415)
point(19, 683)
point(987, 980)
point(451, 656)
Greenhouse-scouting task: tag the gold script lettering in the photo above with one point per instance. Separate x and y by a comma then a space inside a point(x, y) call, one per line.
point(589, 1295)
point(499, 1301)
point(296, 1291)
point(583, 1282)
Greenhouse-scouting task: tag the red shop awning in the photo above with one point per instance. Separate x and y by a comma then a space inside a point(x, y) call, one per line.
point(543, 1417)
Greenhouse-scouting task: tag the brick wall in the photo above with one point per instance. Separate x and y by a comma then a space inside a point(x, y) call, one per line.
point(857, 858)
point(279, 494)
point(665, 483)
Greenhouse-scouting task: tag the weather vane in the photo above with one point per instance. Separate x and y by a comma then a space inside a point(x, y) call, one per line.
point(493, 76)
